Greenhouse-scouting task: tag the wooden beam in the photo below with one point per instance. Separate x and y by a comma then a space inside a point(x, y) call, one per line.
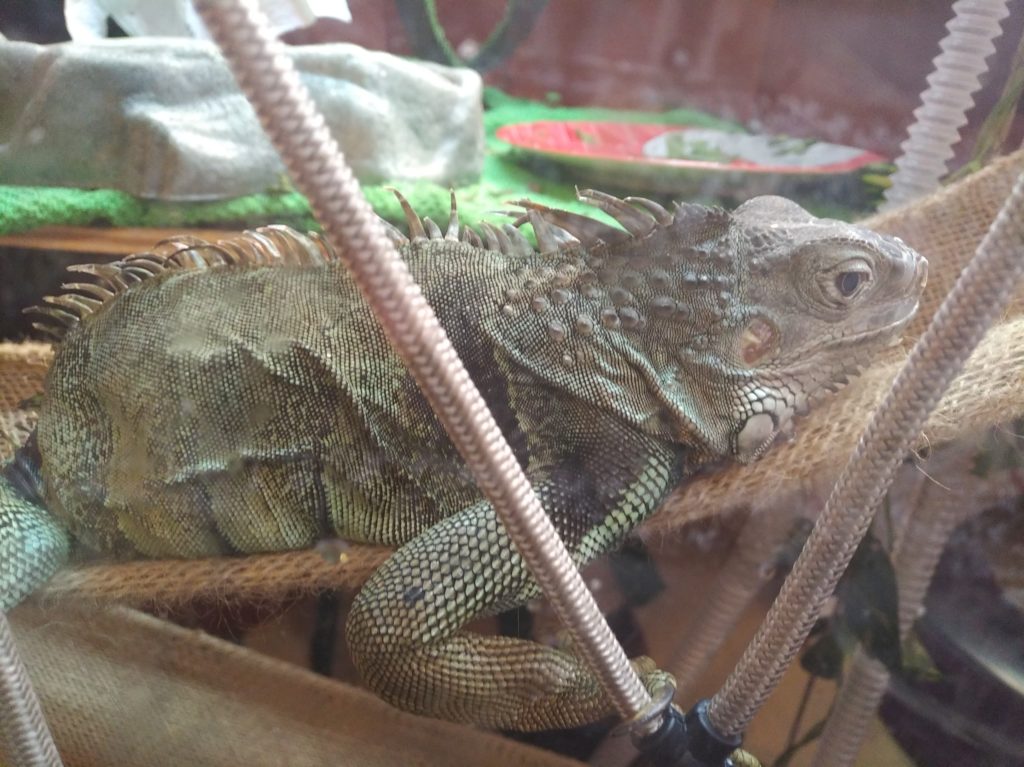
point(112, 241)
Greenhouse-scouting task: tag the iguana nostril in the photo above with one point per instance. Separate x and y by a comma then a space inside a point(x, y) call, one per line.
point(910, 269)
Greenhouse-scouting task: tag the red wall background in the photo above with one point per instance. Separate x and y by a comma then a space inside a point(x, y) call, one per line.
point(849, 71)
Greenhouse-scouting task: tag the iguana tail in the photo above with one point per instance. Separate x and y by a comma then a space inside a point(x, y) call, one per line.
point(32, 544)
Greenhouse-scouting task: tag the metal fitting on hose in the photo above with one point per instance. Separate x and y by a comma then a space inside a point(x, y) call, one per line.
point(707, 745)
point(665, 737)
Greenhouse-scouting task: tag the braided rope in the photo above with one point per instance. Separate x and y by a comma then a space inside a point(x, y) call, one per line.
point(923, 533)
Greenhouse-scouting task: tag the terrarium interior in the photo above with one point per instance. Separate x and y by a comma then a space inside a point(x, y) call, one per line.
point(214, 452)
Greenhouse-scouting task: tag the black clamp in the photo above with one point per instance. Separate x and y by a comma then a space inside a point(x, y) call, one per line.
point(678, 740)
point(706, 744)
point(661, 743)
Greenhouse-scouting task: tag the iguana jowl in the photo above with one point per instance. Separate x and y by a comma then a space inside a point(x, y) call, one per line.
point(239, 398)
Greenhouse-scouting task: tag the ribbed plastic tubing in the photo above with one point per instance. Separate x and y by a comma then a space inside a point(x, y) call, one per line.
point(935, 131)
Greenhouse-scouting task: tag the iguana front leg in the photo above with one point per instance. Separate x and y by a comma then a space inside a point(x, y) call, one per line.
point(32, 545)
point(404, 628)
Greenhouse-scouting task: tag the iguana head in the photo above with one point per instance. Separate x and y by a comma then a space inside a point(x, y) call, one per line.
point(734, 322)
point(815, 299)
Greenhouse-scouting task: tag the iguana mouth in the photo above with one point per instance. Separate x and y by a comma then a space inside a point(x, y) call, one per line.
point(855, 339)
point(805, 360)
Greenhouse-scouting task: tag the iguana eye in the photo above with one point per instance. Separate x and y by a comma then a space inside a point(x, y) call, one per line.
point(839, 285)
point(848, 283)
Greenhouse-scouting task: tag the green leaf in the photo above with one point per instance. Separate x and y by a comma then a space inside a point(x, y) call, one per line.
point(809, 737)
point(823, 658)
point(869, 603)
point(917, 662)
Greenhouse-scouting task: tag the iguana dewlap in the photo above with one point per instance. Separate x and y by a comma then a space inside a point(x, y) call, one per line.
point(239, 397)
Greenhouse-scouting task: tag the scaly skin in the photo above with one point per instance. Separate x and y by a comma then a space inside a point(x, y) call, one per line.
point(229, 408)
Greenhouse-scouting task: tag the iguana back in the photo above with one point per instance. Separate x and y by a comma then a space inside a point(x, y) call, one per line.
point(263, 411)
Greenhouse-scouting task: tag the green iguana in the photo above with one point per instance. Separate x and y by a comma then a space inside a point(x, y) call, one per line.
point(239, 397)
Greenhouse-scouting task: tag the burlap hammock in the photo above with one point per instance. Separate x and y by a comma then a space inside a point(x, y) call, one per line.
point(58, 640)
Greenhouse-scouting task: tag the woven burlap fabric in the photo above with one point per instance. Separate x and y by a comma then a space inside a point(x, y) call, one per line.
point(946, 228)
point(122, 688)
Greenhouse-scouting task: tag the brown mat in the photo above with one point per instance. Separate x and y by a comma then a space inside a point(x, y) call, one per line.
point(122, 688)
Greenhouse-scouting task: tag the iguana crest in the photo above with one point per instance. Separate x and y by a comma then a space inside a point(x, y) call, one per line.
point(555, 230)
point(261, 247)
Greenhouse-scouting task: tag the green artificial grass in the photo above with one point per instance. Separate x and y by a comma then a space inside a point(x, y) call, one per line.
point(503, 179)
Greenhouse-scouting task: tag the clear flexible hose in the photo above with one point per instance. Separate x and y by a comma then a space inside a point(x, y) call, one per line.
point(740, 578)
point(24, 730)
point(979, 296)
point(919, 543)
point(946, 100)
point(297, 130)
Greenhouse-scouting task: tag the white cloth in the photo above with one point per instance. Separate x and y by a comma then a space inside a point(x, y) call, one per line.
point(163, 118)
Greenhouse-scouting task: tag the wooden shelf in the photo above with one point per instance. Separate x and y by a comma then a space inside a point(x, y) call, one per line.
point(112, 241)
